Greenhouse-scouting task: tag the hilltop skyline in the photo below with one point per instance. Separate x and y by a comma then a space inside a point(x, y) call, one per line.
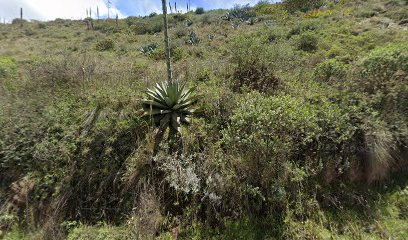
point(76, 9)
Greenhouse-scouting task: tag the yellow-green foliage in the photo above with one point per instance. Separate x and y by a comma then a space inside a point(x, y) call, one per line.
point(8, 67)
point(316, 13)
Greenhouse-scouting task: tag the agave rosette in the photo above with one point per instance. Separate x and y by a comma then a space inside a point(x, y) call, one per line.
point(169, 104)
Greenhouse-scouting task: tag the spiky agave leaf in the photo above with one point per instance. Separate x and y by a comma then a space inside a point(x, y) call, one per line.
point(169, 104)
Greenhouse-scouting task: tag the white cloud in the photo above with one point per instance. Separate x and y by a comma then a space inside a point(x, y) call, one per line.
point(51, 9)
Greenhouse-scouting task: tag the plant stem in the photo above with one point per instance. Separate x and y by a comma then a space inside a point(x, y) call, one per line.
point(167, 43)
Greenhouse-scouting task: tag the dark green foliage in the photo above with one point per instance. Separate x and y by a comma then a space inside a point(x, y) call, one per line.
point(153, 14)
point(199, 11)
point(307, 41)
point(105, 45)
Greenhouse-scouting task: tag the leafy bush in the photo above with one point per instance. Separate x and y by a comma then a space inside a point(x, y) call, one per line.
point(181, 32)
point(384, 68)
point(180, 17)
point(42, 26)
point(271, 138)
point(331, 70)
point(18, 21)
point(304, 26)
point(8, 67)
point(145, 26)
point(306, 41)
point(252, 67)
point(199, 10)
point(105, 45)
point(176, 53)
point(383, 75)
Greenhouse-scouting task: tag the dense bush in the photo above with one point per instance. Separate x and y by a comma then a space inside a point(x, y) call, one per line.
point(105, 45)
point(307, 41)
point(252, 66)
point(383, 75)
point(296, 117)
point(271, 138)
point(331, 71)
point(199, 10)
point(384, 68)
point(304, 26)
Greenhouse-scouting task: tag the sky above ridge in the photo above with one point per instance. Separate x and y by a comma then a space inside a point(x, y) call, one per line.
point(76, 9)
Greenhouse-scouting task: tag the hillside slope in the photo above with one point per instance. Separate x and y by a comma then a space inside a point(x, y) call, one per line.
point(301, 128)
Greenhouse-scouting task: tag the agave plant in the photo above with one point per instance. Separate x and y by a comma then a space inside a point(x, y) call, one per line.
point(148, 49)
point(193, 38)
point(169, 105)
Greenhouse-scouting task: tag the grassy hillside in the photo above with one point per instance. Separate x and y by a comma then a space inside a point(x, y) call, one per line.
point(300, 132)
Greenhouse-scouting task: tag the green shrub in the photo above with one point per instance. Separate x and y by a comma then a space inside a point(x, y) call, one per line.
point(18, 21)
point(384, 68)
point(383, 75)
point(303, 26)
point(252, 67)
point(145, 26)
point(331, 70)
point(8, 67)
point(199, 10)
point(272, 137)
point(105, 45)
point(180, 17)
point(42, 26)
point(176, 53)
point(181, 32)
point(307, 41)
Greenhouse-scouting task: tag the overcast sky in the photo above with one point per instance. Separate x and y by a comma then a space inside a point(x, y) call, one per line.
point(76, 9)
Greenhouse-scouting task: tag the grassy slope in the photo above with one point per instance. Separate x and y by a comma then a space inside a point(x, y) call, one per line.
point(115, 78)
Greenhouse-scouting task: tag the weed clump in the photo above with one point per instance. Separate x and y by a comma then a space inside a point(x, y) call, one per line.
point(105, 45)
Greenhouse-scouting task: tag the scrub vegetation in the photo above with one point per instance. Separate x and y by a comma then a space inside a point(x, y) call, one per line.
point(284, 121)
